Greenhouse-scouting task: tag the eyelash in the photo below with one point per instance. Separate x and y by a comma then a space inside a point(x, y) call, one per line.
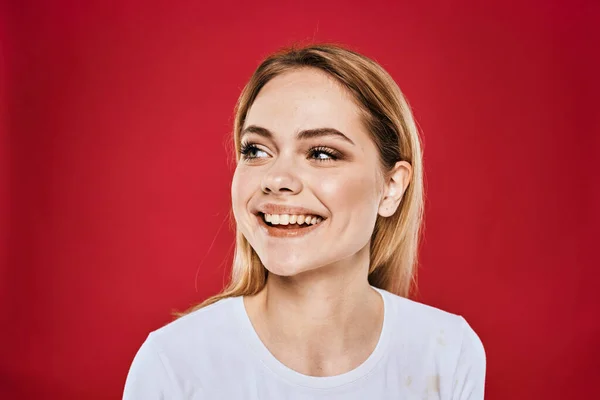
point(334, 155)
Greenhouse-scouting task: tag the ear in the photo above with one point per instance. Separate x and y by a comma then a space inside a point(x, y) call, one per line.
point(395, 186)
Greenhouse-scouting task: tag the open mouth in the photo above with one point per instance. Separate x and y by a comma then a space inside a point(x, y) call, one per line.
point(289, 224)
point(290, 221)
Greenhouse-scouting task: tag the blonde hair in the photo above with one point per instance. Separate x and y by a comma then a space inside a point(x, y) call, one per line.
point(387, 116)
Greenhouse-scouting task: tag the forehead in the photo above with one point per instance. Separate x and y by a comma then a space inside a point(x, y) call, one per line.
point(304, 99)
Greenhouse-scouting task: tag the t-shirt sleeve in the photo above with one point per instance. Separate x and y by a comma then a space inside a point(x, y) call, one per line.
point(469, 377)
point(149, 378)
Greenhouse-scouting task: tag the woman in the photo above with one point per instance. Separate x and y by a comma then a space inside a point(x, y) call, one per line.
point(327, 197)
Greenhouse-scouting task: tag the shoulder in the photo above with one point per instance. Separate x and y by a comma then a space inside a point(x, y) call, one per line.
point(421, 317)
point(435, 343)
point(182, 350)
point(214, 316)
point(200, 328)
point(423, 325)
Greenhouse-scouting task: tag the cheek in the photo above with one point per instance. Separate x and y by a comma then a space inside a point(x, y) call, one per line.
point(242, 189)
point(350, 196)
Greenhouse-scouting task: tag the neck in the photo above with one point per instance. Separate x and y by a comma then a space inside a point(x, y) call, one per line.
point(327, 320)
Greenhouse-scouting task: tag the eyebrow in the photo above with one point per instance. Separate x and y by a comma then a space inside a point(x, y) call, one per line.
point(304, 134)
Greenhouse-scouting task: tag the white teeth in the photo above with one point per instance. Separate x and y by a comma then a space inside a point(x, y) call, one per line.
point(286, 219)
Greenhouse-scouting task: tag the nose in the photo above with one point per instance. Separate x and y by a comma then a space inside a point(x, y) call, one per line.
point(280, 178)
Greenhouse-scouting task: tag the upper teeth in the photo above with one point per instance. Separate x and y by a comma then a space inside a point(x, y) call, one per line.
point(285, 219)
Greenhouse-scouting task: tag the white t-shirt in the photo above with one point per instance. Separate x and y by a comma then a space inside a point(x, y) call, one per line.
point(215, 353)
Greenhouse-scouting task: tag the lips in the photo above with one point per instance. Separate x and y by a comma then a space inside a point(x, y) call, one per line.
point(278, 220)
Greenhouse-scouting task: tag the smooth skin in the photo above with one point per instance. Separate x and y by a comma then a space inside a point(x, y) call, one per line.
point(317, 312)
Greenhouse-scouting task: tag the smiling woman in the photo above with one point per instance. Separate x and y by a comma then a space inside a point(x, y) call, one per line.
point(327, 197)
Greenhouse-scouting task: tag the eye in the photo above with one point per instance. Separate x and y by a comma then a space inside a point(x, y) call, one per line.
point(251, 151)
point(322, 153)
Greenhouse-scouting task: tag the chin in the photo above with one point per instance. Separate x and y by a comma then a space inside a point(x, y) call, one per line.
point(282, 272)
point(287, 266)
point(283, 269)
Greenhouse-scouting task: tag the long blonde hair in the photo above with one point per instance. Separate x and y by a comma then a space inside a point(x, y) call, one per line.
point(387, 116)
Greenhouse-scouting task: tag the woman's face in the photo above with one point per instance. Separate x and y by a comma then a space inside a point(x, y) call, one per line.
point(306, 157)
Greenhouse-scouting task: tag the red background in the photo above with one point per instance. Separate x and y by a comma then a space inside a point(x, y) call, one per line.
point(114, 174)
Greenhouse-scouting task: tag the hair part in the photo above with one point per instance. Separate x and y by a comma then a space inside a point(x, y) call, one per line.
point(389, 120)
